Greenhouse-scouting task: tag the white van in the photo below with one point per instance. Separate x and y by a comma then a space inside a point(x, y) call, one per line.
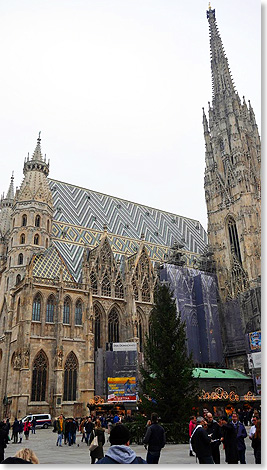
point(42, 420)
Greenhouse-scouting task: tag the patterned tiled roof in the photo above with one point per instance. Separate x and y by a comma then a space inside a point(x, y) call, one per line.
point(80, 215)
point(48, 265)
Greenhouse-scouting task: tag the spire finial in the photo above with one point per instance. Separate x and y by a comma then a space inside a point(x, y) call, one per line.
point(209, 6)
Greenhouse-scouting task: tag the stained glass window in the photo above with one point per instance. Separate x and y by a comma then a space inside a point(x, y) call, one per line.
point(39, 377)
point(70, 377)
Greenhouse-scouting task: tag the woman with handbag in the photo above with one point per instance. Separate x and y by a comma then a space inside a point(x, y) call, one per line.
point(96, 442)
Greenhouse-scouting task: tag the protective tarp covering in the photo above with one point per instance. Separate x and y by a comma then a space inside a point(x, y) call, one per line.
point(196, 296)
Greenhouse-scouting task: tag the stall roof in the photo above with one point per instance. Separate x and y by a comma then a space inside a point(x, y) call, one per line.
point(209, 373)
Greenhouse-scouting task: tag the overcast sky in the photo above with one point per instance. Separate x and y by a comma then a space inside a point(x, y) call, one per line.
point(116, 88)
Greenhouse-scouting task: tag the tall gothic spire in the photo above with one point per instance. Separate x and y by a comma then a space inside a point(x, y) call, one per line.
point(37, 161)
point(6, 208)
point(222, 83)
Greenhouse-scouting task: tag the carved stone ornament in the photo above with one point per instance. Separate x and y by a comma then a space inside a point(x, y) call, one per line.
point(17, 360)
point(59, 357)
point(26, 357)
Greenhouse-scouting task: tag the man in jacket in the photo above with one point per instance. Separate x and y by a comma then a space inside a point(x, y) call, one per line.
point(241, 434)
point(229, 440)
point(120, 451)
point(155, 438)
point(214, 431)
point(88, 429)
point(201, 442)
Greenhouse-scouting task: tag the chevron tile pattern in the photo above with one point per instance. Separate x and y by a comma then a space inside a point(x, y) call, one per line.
point(81, 214)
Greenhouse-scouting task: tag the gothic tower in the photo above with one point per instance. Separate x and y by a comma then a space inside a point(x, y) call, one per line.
point(232, 178)
point(30, 218)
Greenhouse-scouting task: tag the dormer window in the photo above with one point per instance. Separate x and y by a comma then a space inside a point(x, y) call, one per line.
point(24, 220)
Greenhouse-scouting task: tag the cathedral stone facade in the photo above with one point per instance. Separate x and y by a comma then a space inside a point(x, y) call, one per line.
point(233, 198)
point(78, 271)
point(78, 268)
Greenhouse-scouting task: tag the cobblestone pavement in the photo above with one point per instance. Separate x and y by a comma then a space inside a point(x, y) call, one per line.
point(43, 443)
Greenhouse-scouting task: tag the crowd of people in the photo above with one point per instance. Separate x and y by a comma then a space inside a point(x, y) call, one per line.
point(206, 437)
point(207, 434)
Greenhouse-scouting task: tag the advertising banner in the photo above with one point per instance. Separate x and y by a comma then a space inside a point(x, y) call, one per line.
point(255, 341)
point(121, 389)
point(129, 346)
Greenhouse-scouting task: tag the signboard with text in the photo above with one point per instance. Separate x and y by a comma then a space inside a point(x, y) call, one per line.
point(121, 389)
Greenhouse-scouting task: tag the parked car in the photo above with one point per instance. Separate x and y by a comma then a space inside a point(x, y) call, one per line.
point(42, 420)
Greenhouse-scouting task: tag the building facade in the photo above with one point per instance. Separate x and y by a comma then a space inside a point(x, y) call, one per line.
point(78, 268)
point(233, 197)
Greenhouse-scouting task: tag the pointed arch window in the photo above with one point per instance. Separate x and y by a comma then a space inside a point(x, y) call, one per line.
point(24, 220)
point(18, 279)
point(78, 313)
point(50, 309)
point(22, 239)
point(113, 326)
point(233, 237)
point(39, 377)
point(36, 308)
point(48, 226)
point(145, 291)
point(93, 281)
point(20, 258)
point(37, 221)
point(119, 291)
point(106, 289)
point(36, 239)
point(97, 328)
point(46, 243)
point(70, 377)
point(66, 311)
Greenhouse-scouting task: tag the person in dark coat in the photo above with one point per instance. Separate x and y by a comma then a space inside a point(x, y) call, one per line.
point(15, 428)
point(21, 427)
point(155, 438)
point(201, 442)
point(98, 431)
point(214, 431)
point(3, 440)
point(88, 429)
point(241, 434)
point(229, 439)
point(256, 442)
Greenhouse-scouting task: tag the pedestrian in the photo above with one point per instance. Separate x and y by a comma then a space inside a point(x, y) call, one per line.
point(192, 425)
point(252, 430)
point(34, 422)
point(26, 429)
point(214, 431)
point(116, 419)
point(241, 434)
point(67, 429)
point(15, 428)
point(120, 451)
point(82, 429)
point(72, 432)
point(3, 440)
point(229, 439)
point(88, 429)
point(155, 439)
point(21, 426)
point(98, 431)
point(201, 442)
point(256, 442)
point(60, 428)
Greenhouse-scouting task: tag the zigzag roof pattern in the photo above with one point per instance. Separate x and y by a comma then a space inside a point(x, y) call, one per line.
point(81, 214)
